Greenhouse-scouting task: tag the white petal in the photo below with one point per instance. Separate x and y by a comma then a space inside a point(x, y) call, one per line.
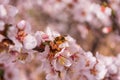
point(12, 11)
point(3, 11)
point(21, 24)
point(30, 42)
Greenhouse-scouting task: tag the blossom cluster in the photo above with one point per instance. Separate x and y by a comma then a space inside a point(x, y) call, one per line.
point(102, 15)
point(91, 14)
point(47, 55)
point(95, 13)
point(54, 56)
point(80, 10)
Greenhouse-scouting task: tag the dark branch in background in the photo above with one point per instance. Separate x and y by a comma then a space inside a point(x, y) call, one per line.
point(98, 34)
point(1, 74)
point(98, 37)
point(115, 23)
point(69, 24)
point(95, 45)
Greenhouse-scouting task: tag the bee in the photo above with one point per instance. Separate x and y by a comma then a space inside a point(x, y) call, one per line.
point(53, 45)
point(59, 40)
